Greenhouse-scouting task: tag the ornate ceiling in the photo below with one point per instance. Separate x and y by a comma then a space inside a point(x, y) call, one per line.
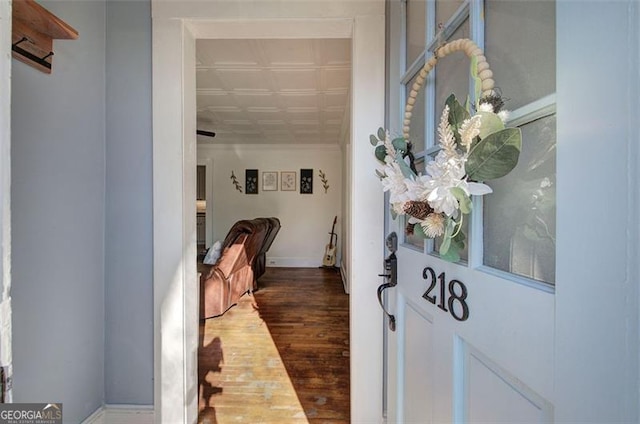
point(273, 91)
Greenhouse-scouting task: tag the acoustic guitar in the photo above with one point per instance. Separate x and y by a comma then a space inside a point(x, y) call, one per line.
point(330, 250)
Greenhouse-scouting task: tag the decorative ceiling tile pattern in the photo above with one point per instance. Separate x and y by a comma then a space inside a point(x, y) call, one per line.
point(273, 91)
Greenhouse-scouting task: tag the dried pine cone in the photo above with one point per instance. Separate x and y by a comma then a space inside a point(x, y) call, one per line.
point(418, 210)
point(408, 229)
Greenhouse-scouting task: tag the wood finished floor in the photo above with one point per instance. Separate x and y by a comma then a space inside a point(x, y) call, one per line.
point(281, 355)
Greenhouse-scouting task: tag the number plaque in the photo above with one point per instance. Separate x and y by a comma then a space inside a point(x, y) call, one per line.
point(457, 294)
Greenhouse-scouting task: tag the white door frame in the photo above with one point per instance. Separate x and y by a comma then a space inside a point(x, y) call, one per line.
point(597, 269)
point(5, 189)
point(174, 145)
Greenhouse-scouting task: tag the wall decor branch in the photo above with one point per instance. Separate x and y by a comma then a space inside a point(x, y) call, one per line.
point(235, 182)
point(323, 178)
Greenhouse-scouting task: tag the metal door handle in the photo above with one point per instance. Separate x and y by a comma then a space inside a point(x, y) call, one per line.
point(381, 288)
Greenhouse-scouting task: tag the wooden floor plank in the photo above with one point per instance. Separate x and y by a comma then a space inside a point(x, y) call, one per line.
point(281, 355)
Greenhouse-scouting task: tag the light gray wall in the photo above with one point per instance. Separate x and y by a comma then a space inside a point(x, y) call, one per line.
point(58, 178)
point(129, 246)
point(306, 219)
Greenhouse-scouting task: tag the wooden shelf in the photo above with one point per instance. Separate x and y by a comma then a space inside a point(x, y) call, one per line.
point(34, 29)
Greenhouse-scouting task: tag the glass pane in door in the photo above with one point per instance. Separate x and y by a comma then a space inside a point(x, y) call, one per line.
point(520, 48)
point(452, 74)
point(417, 126)
point(416, 29)
point(520, 214)
point(411, 239)
point(445, 10)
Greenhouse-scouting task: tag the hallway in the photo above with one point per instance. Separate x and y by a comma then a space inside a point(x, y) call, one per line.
point(281, 355)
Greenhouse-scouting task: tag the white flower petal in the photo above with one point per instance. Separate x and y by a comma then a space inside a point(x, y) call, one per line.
point(486, 107)
point(478, 189)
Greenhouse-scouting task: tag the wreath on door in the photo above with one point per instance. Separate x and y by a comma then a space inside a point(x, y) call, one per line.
point(475, 146)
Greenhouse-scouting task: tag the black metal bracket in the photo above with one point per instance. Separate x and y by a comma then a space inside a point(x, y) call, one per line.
point(32, 57)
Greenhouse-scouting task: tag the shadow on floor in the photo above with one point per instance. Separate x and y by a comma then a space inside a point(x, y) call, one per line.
point(210, 359)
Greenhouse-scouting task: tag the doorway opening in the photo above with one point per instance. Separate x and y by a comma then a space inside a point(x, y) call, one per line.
point(280, 111)
point(176, 308)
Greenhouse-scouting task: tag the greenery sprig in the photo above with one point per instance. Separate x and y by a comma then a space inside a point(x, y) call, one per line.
point(235, 182)
point(323, 178)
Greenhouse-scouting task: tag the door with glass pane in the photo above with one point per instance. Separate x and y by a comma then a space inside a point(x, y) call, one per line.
point(474, 339)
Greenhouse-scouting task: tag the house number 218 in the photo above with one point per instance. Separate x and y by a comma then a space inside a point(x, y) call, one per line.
point(457, 294)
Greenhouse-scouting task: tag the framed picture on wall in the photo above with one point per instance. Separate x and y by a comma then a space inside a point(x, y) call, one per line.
point(251, 181)
point(288, 180)
point(306, 181)
point(269, 181)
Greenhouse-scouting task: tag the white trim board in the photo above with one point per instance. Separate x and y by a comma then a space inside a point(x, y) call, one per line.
point(6, 355)
point(297, 262)
point(121, 414)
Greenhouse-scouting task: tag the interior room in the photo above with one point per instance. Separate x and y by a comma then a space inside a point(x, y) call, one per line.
point(278, 107)
point(273, 120)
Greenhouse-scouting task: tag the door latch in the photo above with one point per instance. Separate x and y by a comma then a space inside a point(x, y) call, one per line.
point(391, 277)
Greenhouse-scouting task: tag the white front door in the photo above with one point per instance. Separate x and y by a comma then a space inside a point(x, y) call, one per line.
point(537, 322)
point(474, 340)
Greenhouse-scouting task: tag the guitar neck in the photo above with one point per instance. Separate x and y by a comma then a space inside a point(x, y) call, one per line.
point(332, 233)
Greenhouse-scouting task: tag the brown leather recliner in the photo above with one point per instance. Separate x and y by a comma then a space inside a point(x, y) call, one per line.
point(223, 279)
point(225, 282)
point(259, 264)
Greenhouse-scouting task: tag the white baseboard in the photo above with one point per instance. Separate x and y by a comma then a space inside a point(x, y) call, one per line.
point(121, 414)
point(294, 262)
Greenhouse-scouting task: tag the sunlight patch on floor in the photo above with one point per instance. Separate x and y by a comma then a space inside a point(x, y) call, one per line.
point(245, 378)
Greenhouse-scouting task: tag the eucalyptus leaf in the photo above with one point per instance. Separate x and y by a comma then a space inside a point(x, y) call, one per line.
point(494, 156)
point(445, 245)
point(446, 238)
point(489, 123)
point(477, 82)
point(452, 255)
point(418, 231)
point(381, 152)
point(463, 199)
point(373, 140)
point(400, 144)
point(381, 134)
point(457, 246)
point(380, 174)
point(394, 214)
point(460, 238)
point(457, 115)
point(404, 167)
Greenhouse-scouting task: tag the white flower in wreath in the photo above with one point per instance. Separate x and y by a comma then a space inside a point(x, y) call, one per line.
point(393, 181)
point(444, 173)
point(417, 189)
